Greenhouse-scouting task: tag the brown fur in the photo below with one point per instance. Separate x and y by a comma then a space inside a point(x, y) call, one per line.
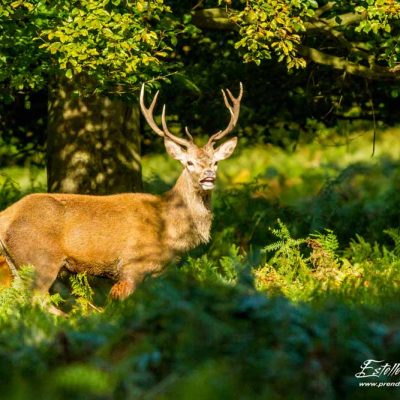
point(124, 236)
point(5, 273)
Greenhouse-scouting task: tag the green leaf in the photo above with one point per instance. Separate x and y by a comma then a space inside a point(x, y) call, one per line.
point(69, 74)
point(313, 3)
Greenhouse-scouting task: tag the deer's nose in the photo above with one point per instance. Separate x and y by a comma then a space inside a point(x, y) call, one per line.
point(208, 173)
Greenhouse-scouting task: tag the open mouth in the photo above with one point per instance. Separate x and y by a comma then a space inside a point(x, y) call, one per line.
point(207, 183)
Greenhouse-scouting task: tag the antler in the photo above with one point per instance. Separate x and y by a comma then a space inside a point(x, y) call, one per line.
point(148, 114)
point(234, 111)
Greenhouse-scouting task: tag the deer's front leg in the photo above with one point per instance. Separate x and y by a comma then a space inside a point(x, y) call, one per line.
point(122, 289)
point(131, 276)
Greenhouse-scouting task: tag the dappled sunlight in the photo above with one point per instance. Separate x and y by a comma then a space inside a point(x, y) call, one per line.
point(93, 144)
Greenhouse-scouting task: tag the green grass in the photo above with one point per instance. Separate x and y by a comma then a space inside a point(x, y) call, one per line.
point(298, 287)
point(25, 178)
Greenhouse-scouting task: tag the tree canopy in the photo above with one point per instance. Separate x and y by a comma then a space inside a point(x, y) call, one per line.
point(111, 43)
point(323, 59)
point(119, 44)
point(359, 37)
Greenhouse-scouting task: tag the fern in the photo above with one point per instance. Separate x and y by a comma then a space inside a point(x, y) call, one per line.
point(231, 264)
point(83, 292)
point(359, 250)
point(287, 244)
point(328, 240)
point(394, 234)
point(19, 296)
point(288, 258)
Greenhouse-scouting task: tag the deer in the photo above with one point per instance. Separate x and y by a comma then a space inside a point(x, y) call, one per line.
point(127, 236)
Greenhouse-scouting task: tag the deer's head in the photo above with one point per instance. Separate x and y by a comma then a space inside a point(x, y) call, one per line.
point(200, 162)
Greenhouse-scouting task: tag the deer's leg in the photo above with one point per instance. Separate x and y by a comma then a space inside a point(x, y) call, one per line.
point(21, 245)
point(46, 272)
point(122, 289)
point(46, 263)
point(6, 276)
point(130, 277)
point(45, 276)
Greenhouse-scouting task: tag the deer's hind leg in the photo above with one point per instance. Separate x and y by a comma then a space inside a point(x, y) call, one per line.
point(47, 266)
point(46, 263)
point(6, 277)
point(45, 260)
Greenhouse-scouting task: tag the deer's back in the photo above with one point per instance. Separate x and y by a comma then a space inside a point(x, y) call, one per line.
point(86, 228)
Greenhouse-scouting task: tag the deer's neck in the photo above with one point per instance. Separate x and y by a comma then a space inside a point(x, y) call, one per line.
point(189, 213)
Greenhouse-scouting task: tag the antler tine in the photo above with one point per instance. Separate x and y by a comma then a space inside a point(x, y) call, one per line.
point(188, 133)
point(181, 141)
point(234, 110)
point(148, 114)
point(228, 106)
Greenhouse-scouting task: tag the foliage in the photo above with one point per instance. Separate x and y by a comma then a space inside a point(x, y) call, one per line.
point(353, 275)
point(179, 332)
point(22, 183)
point(366, 31)
point(112, 45)
point(80, 288)
point(41, 42)
point(273, 27)
point(110, 42)
point(295, 309)
point(104, 44)
point(9, 191)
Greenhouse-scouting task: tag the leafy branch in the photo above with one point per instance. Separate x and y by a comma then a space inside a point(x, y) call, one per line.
point(280, 28)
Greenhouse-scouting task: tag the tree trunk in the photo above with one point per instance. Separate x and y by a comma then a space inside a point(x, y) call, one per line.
point(93, 144)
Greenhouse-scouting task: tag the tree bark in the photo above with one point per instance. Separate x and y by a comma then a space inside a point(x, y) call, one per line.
point(93, 144)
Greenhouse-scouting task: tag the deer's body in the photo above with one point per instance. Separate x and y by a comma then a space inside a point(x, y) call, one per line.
point(124, 236)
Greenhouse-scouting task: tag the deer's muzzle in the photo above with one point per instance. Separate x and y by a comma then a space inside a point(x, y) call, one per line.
point(207, 182)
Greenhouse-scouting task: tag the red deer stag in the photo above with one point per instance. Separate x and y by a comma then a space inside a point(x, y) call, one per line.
point(124, 236)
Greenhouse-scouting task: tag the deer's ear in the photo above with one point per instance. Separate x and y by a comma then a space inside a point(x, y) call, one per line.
point(225, 150)
point(174, 150)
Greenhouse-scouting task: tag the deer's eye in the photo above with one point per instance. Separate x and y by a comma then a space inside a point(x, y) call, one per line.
point(190, 164)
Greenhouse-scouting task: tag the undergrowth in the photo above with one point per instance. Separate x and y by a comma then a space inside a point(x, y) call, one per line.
point(299, 286)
